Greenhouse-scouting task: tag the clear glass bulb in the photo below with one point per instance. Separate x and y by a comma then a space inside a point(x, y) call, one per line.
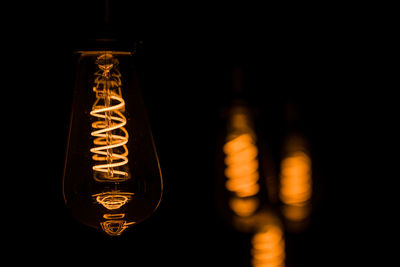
point(112, 177)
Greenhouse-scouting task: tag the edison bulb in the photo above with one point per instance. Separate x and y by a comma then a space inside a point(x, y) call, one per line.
point(296, 182)
point(241, 172)
point(112, 179)
point(268, 241)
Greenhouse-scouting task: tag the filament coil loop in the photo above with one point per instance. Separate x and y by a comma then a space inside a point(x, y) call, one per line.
point(110, 134)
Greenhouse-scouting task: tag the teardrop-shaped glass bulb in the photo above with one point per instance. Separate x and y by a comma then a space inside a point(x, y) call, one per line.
point(112, 177)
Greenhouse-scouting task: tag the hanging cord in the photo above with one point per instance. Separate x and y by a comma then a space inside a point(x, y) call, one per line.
point(107, 12)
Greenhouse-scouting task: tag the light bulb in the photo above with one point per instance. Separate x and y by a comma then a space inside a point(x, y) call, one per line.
point(241, 163)
point(112, 177)
point(268, 242)
point(295, 180)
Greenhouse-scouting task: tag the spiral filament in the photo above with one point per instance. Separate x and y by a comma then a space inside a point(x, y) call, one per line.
point(110, 150)
point(268, 247)
point(241, 164)
point(296, 189)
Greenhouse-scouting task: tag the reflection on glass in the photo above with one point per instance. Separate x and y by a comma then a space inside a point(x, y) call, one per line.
point(295, 180)
point(296, 213)
point(112, 178)
point(114, 224)
point(115, 227)
point(241, 160)
point(113, 200)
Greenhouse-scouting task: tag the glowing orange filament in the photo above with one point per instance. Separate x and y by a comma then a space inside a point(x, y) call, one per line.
point(268, 247)
point(110, 134)
point(296, 186)
point(113, 200)
point(242, 166)
point(241, 160)
point(296, 179)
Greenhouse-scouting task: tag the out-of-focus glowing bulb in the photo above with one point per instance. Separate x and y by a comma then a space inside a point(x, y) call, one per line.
point(295, 181)
point(268, 245)
point(242, 166)
point(112, 177)
point(241, 160)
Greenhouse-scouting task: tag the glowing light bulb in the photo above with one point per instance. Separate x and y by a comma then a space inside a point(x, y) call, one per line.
point(267, 239)
point(268, 246)
point(295, 180)
point(112, 177)
point(241, 161)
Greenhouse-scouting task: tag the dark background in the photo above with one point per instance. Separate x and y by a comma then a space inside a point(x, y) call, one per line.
point(309, 56)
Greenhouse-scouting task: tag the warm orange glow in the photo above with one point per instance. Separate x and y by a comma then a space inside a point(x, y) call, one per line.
point(97, 52)
point(114, 216)
point(296, 213)
point(241, 160)
point(111, 137)
point(242, 166)
point(268, 247)
point(115, 227)
point(113, 200)
point(295, 182)
point(296, 179)
point(244, 207)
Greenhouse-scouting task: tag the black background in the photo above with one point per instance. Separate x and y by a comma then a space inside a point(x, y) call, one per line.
point(309, 55)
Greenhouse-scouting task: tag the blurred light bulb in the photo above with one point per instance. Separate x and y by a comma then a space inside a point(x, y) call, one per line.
point(267, 239)
point(241, 161)
point(295, 180)
point(268, 246)
point(112, 177)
